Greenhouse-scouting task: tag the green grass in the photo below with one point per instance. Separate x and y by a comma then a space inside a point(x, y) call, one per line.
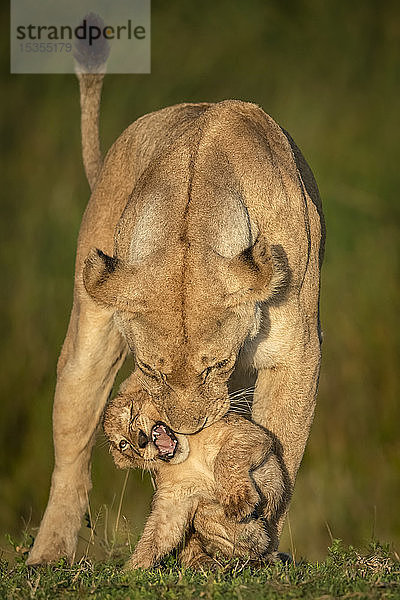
point(345, 573)
point(329, 73)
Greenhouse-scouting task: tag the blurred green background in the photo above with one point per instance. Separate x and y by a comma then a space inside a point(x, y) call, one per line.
point(327, 71)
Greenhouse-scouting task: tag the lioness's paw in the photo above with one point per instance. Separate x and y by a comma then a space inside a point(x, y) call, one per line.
point(48, 549)
point(44, 558)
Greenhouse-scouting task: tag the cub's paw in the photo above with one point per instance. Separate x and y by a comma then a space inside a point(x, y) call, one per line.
point(266, 560)
point(138, 561)
point(253, 539)
point(240, 503)
point(201, 563)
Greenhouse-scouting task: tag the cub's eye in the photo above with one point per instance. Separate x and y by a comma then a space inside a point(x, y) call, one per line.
point(123, 445)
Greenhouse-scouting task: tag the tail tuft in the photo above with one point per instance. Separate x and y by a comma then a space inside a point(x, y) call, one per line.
point(91, 54)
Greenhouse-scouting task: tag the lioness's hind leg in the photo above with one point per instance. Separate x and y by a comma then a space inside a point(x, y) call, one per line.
point(92, 354)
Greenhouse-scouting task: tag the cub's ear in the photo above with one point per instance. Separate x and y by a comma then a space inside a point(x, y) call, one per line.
point(110, 281)
point(254, 274)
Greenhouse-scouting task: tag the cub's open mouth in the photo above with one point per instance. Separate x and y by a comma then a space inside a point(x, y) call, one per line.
point(164, 440)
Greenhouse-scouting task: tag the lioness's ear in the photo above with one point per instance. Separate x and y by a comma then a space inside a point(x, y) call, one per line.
point(256, 273)
point(109, 281)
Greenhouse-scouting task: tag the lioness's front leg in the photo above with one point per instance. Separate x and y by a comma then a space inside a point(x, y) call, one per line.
point(92, 354)
point(284, 398)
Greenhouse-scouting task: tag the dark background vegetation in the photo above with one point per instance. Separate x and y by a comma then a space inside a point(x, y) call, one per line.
point(328, 72)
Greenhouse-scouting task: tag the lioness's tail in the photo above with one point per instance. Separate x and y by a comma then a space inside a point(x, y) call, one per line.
point(90, 85)
point(90, 66)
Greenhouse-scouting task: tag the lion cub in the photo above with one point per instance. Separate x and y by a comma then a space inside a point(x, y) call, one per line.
point(216, 490)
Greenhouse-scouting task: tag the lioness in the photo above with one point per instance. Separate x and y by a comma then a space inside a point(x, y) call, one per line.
point(217, 491)
point(199, 252)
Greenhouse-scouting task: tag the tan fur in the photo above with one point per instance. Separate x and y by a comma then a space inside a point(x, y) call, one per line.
point(208, 493)
point(90, 93)
point(209, 224)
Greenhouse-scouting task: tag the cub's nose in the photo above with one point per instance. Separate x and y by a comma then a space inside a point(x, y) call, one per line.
point(143, 440)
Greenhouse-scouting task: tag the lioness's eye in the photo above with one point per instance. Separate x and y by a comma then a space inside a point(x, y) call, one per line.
point(218, 365)
point(146, 367)
point(150, 372)
point(123, 445)
point(204, 374)
point(222, 363)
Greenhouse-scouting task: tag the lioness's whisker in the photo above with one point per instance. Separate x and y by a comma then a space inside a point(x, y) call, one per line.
point(144, 383)
point(241, 399)
point(245, 389)
point(241, 402)
point(238, 411)
point(243, 392)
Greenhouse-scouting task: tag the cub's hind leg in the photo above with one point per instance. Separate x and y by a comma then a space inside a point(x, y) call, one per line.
point(193, 556)
point(92, 354)
point(230, 537)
